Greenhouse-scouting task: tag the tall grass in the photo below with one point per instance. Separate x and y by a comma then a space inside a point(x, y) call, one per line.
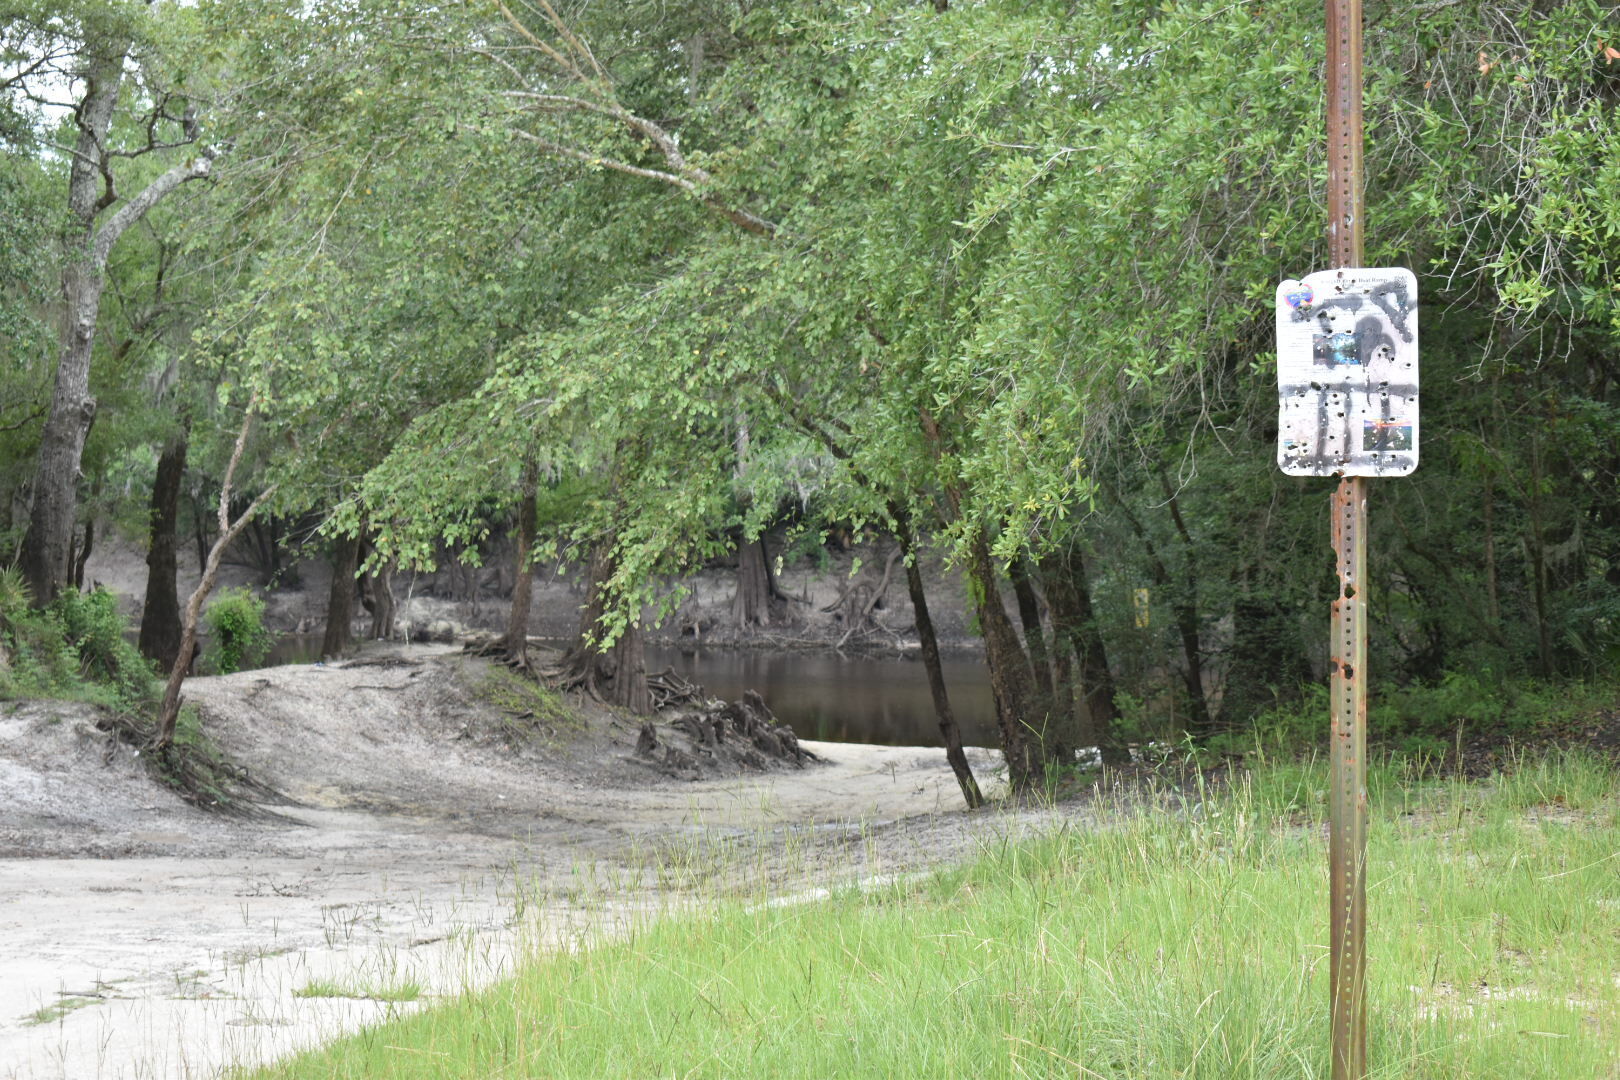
point(1186, 941)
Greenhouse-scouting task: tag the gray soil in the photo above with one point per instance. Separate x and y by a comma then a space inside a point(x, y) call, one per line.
point(422, 832)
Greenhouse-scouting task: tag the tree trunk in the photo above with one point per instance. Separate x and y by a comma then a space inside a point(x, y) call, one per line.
point(515, 643)
point(200, 533)
point(340, 601)
point(160, 616)
point(383, 606)
point(56, 476)
point(169, 710)
point(1029, 614)
point(930, 657)
point(1185, 606)
point(45, 546)
point(1022, 732)
point(272, 560)
point(1075, 722)
point(627, 687)
point(49, 539)
point(751, 603)
point(1090, 651)
point(82, 555)
point(1183, 602)
point(619, 675)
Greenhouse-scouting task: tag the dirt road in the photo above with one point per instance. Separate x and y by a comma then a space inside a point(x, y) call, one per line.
point(424, 848)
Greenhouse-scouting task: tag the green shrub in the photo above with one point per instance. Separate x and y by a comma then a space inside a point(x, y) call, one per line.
point(77, 648)
point(35, 660)
point(236, 625)
point(97, 632)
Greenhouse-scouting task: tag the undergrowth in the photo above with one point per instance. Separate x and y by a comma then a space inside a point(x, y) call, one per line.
point(1433, 721)
point(236, 628)
point(73, 650)
point(527, 708)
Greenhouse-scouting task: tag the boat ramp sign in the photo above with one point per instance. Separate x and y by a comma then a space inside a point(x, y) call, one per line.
point(1347, 373)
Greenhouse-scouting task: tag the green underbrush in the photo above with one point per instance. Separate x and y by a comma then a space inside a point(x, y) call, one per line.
point(1436, 721)
point(76, 650)
point(1185, 939)
point(528, 709)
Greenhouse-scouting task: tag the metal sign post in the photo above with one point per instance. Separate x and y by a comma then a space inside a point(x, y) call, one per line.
point(1347, 842)
point(1347, 376)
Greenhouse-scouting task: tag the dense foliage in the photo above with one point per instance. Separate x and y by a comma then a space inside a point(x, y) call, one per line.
point(237, 631)
point(76, 648)
point(993, 274)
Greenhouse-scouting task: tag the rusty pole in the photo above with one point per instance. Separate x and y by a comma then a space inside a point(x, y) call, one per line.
point(1347, 843)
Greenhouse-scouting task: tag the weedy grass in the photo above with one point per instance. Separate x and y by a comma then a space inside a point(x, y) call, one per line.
point(528, 709)
point(391, 992)
point(1188, 940)
point(58, 1010)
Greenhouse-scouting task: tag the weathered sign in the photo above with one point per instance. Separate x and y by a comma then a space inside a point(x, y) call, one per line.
point(1347, 373)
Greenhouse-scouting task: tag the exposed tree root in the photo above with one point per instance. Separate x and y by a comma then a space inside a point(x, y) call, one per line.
point(581, 670)
point(720, 739)
point(669, 690)
point(857, 601)
point(195, 769)
point(500, 650)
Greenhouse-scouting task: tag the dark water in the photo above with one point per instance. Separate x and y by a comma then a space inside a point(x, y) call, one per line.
point(822, 695)
point(295, 649)
point(844, 699)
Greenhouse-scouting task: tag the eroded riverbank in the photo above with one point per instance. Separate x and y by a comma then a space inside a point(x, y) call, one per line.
point(145, 938)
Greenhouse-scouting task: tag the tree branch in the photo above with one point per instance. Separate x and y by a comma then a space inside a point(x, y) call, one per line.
point(529, 35)
point(230, 473)
point(606, 163)
point(136, 208)
point(600, 100)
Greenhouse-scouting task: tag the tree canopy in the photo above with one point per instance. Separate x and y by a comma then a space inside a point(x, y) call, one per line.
point(995, 274)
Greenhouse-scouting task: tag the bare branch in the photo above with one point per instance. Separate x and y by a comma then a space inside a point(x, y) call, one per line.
point(38, 412)
point(598, 99)
point(573, 42)
point(606, 163)
point(188, 125)
point(565, 102)
point(136, 208)
point(22, 76)
point(230, 474)
point(528, 35)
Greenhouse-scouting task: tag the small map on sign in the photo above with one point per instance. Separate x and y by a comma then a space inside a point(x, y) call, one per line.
point(1347, 373)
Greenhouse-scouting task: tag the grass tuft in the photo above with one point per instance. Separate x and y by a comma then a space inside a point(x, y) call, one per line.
point(393, 992)
point(50, 1014)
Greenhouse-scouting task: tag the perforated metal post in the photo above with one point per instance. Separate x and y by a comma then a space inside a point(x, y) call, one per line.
point(1347, 843)
point(1347, 839)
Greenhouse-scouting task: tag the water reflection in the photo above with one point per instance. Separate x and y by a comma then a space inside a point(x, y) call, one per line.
point(822, 695)
point(844, 699)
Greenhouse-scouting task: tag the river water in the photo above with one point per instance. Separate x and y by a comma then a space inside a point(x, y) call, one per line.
point(823, 695)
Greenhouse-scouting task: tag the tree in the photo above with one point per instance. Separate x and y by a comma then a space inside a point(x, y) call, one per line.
point(107, 41)
point(169, 709)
